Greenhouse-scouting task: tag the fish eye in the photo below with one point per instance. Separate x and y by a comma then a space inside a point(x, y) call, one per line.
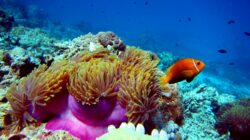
point(198, 63)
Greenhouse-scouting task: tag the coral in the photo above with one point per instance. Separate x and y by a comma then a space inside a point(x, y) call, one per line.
point(167, 59)
point(16, 64)
point(6, 58)
point(73, 47)
point(23, 66)
point(109, 39)
point(198, 105)
point(35, 40)
point(235, 118)
point(170, 107)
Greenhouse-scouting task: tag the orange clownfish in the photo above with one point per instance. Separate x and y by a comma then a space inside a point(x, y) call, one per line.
point(184, 69)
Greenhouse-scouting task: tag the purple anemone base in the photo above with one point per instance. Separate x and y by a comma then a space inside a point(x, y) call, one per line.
point(88, 122)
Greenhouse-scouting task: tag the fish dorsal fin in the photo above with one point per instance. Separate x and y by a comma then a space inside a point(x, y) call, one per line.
point(187, 74)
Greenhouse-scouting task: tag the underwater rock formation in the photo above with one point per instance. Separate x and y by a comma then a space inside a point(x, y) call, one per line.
point(6, 22)
point(234, 118)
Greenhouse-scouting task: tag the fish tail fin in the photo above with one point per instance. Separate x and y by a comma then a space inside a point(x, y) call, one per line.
point(164, 80)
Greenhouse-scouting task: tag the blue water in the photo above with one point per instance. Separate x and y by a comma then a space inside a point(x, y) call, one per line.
point(187, 28)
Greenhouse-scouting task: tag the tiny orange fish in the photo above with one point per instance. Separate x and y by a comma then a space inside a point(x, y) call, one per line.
point(184, 69)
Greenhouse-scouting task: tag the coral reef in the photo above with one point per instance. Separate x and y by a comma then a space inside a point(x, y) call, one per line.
point(33, 16)
point(166, 60)
point(35, 40)
point(20, 56)
point(235, 118)
point(111, 41)
point(198, 105)
point(170, 106)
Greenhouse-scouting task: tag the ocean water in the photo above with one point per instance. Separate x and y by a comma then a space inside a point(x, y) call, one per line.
point(216, 32)
point(187, 28)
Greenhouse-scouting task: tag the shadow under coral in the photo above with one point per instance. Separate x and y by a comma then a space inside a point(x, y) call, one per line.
point(88, 122)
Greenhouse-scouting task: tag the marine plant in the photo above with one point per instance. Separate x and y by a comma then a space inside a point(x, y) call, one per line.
point(235, 118)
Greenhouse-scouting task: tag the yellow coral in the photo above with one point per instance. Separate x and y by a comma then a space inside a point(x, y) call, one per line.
point(94, 79)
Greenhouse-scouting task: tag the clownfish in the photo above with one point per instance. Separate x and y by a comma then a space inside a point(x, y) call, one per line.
point(183, 69)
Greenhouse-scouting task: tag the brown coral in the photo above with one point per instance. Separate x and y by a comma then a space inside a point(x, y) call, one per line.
point(110, 39)
point(94, 79)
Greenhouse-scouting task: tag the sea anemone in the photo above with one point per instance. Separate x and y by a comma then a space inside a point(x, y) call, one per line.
point(31, 98)
point(85, 56)
point(90, 81)
point(138, 58)
point(20, 107)
point(45, 84)
point(92, 103)
point(139, 94)
point(139, 89)
point(90, 91)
